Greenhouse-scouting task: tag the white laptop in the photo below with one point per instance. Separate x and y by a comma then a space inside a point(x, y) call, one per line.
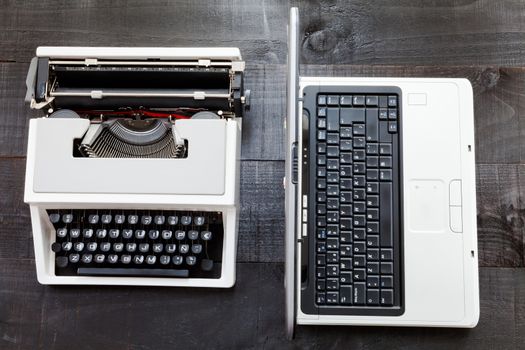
point(380, 200)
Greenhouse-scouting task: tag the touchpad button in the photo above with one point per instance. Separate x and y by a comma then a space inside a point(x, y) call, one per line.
point(426, 206)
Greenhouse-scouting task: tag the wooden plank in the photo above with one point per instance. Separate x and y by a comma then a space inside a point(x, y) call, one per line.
point(261, 220)
point(501, 214)
point(413, 32)
point(258, 28)
point(500, 191)
point(499, 105)
point(356, 32)
point(14, 113)
point(250, 315)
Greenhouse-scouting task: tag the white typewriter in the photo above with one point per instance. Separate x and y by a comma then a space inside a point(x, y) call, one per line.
point(133, 168)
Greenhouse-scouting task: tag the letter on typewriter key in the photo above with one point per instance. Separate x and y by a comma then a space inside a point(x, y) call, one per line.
point(191, 260)
point(199, 220)
point(146, 219)
point(184, 248)
point(159, 219)
point(193, 235)
point(173, 220)
point(185, 220)
point(66, 246)
point(206, 235)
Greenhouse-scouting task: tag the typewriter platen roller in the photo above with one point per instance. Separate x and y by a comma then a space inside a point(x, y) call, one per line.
point(133, 102)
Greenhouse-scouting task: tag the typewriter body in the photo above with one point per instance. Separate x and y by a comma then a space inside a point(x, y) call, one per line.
point(133, 169)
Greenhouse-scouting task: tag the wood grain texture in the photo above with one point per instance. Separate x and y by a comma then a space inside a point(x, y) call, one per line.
point(501, 214)
point(334, 32)
point(248, 316)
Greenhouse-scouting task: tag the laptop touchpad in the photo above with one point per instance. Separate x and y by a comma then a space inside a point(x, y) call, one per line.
point(426, 206)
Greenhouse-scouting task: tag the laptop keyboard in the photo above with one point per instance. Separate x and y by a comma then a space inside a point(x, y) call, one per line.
point(355, 187)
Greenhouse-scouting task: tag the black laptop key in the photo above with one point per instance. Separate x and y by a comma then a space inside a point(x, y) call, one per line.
point(332, 119)
point(348, 116)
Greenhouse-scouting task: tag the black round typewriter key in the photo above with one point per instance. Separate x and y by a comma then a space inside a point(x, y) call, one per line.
point(78, 246)
point(74, 233)
point(99, 258)
point(92, 246)
point(159, 219)
point(131, 247)
point(62, 232)
point(106, 219)
point(86, 258)
point(199, 220)
point(164, 259)
point(118, 247)
point(180, 235)
point(193, 235)
point(61, 261)
point(166, 234)
point(206, 235)
point(177, 259)
point(101, 233)
point(207, 265)
point(196, 248)
point(125, 259)
point(184, 248)
point(144, 247)
point(139, 234)
point(171, 248)
point(138, 259)
point(114, 233)
point(87, 233)
point(74, 258)
point(66, 246)
point(112, 258)
point(153, 234)
point(67, 218)
point(157, 247)
point(93, 219)
point(185, 220)
point(133, 219)
point(54, 218)
point(56, 247)
point(173, 220)
point(191, 260)
point(145, 220)
point(151, 259)
point(105, 246)
point(120, 219)
point(127, 233)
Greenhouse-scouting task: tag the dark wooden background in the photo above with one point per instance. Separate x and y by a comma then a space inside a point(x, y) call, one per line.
point(483, 41)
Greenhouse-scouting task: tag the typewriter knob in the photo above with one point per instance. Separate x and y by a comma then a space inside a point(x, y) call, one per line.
point(56, 247)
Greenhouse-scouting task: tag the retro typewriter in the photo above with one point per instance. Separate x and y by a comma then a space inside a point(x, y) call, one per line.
point(133, 168)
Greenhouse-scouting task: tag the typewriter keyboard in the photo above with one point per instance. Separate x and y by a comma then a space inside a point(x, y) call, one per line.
point(149, 243)
point(354, 184)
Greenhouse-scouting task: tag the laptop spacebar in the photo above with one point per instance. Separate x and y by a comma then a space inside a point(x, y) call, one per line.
point(102, 271)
